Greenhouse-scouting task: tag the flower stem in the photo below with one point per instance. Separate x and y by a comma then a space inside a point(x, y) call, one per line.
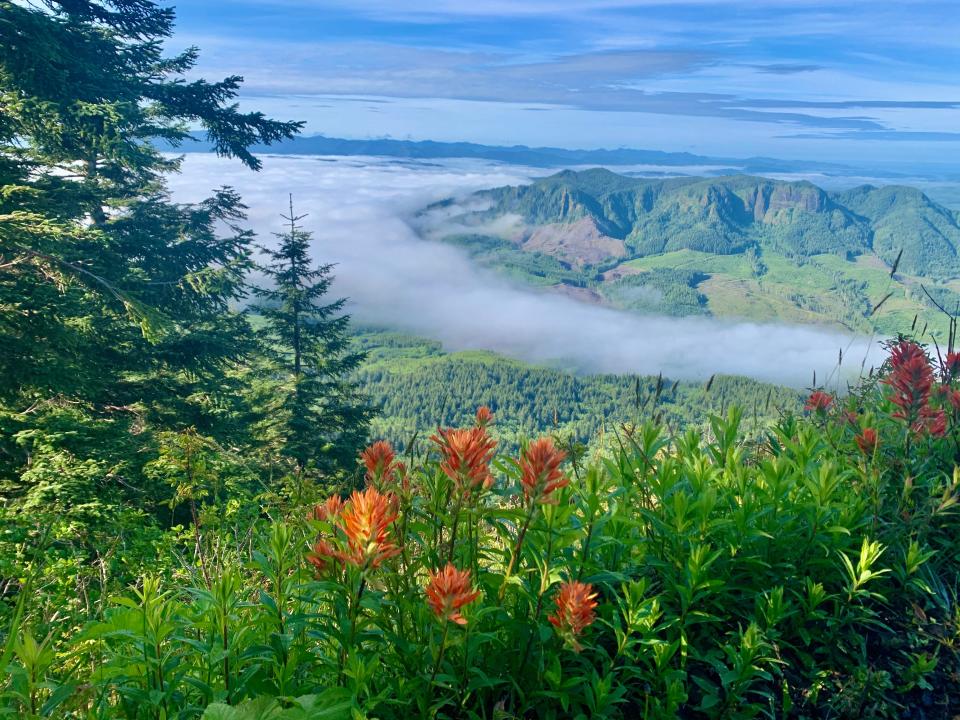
point(436, 665)
point(516, 550)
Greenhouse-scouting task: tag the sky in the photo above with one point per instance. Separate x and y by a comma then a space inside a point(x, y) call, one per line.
point(849, 80)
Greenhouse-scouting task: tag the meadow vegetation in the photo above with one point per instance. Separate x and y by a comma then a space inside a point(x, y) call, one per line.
point(809, 573)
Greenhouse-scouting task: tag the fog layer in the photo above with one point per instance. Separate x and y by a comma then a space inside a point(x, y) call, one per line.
point(361, 211)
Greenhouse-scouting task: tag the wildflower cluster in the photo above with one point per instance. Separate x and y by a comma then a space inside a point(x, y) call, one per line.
point(706, 575)
point(926, 407)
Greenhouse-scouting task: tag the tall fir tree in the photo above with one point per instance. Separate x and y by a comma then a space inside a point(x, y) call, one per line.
point(314, 409)
point(114, 300)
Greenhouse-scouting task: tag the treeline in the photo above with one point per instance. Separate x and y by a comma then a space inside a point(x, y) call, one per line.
point(416, 386)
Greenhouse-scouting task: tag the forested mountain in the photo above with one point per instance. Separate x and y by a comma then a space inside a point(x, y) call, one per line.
point(731, 246)
point(417, 386)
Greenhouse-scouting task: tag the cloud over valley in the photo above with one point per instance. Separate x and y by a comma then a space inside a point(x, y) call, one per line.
point(362, 213)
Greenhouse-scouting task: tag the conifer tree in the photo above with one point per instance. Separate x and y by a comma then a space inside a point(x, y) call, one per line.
point(114, 300)
point(314, 409)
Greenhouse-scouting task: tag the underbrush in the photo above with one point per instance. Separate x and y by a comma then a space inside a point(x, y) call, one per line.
point(811, 574)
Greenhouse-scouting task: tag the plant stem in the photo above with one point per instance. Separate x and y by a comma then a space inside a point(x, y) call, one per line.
point(453, 530)
point(544, 586)
point(436, 665)
point(516, 550)
point(354, 613)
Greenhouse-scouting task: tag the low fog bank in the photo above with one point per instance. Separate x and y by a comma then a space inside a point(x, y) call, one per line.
point(361, 211)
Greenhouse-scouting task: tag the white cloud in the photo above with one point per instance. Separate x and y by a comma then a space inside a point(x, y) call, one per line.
point(361, 212)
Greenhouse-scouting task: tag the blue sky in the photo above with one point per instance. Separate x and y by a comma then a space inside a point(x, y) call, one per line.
point(854, 80)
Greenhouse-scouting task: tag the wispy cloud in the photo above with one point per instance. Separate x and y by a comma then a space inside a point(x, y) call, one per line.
point(786, 68)
point(882, 136)
point(785, 72)
point(610, 81)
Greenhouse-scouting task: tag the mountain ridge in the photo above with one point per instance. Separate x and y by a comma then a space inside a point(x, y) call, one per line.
point(734, 246)
point(540, 156)
point(728, 214)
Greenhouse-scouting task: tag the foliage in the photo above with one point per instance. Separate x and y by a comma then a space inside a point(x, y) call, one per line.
point(116, 304)
point(810, 574)
point(661, 290)
point(416, 385)
point(314, 412)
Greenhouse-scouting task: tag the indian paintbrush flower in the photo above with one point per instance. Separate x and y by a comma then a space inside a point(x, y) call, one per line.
point(466, 455)
point(323, 556)
point(540, 473)
point(575, 604)
point(380, 462)
point(484, 417)
point(935, 422)
point(328, 511)
point(818, 401)
point(910, 379)
point(366, 523)
point(867, 441)
point(951, 366)
point(448, 591)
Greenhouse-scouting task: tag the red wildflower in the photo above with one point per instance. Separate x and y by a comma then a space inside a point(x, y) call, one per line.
point(910, 379)
point(951, 366)
point(575, 604)
point(323, 556)
point(484, 416)
point(540, 471)
point(328, 511)
point(818, 401)
point(867, 441)
point(935, 423)
point(954, 397)
point(366, 523)
point(448, 591)
point(380, 461)
point(466, 456)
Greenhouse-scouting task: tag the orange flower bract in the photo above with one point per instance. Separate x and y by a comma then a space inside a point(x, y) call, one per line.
point(380, 462)
point(323, 556)
point(540, 473)
point(366, 523)
point(484, 416)
point(951, 366)
point(819, 401)
point(867, 441)
point(575, 604)
point(328, 511)
point(466, 456)
point(910, 379)
point(448, 591)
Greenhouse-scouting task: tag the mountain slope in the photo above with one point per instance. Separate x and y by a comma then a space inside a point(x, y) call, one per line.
point(734, 246)
point(729, 214)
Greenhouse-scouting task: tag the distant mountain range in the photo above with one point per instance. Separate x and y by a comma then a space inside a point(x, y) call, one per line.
point(545, 157)
point(734, 245)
